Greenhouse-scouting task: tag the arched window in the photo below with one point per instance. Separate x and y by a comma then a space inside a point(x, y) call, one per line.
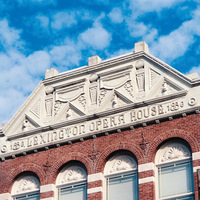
point(121, 178)
point(71, 183)
point(174, 172)
point(26, 187)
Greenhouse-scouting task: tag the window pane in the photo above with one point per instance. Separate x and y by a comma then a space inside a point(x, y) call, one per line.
point(77, 192)
point(29, 197)
point(175, 179)
point(122, 188)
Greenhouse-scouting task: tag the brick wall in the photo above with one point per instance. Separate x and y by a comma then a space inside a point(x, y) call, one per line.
point(142, 142)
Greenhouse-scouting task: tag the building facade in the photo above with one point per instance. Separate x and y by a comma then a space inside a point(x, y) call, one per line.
point(124, 128)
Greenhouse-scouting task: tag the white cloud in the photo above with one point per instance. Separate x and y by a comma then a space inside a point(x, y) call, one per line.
point(139, 29)
point(174, 45)
point(63, 20)
point(136, 29)
point(97, 37)
point(10, 100)
point(116, 15)
point(38, 62)
point(9, 36)
point(118, 53)
point(19, 73)
point(66, 54)
point(143, 6)
point(195, 69)
point(43, 20)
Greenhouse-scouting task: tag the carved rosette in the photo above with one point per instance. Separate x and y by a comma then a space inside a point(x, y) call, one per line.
point(26, 184)
point(172, 152)
point(71, 174)
point(120, 163)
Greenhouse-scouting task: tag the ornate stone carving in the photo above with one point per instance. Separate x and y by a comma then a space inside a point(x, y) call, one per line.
point(57, 107)
point(120, 163)
point(72, 173)
point(173, 151)
point(140, 76)
point(140, 81)
point(93, 78)
point(93, 95)
point(48, 107)
point(139, 64)
point(26, 126)
point(144, 144)
point(68, 113)
point(26, 184)
point(102, 95)
point(49, 90)
point(129, 88)
point(82, 100)
point(69, 93)
point(164, 89)
point(114, 101)
point(49, 101)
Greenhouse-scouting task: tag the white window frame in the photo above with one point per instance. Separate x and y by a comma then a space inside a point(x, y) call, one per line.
point(26, 195)
point(71, 186)
point(120, 175)
point(73, 183)
point(187, 159)
point(131, 170)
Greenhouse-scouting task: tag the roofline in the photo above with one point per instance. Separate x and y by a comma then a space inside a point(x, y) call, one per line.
point(118, 60)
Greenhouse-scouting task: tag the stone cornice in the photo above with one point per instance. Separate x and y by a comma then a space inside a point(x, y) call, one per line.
point(121, 59)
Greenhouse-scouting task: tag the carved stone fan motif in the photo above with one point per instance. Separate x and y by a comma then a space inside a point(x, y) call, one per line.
point(26, 184)
point(174, 151)
point(73, 173)
point(120, 163)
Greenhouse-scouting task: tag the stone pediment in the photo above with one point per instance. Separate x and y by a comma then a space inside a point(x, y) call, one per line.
point(133, 81)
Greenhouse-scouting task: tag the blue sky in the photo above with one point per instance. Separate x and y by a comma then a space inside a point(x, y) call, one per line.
point(39, 34)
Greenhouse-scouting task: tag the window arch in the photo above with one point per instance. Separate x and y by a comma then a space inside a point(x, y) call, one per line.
point(121, 178)
point(174, 171)
point(26, 187)
point(72, 182)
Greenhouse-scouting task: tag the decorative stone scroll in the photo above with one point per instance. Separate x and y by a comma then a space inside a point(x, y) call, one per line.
point(25, 184)
point(120, 163)
point(172, 151)
point(71, 174)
